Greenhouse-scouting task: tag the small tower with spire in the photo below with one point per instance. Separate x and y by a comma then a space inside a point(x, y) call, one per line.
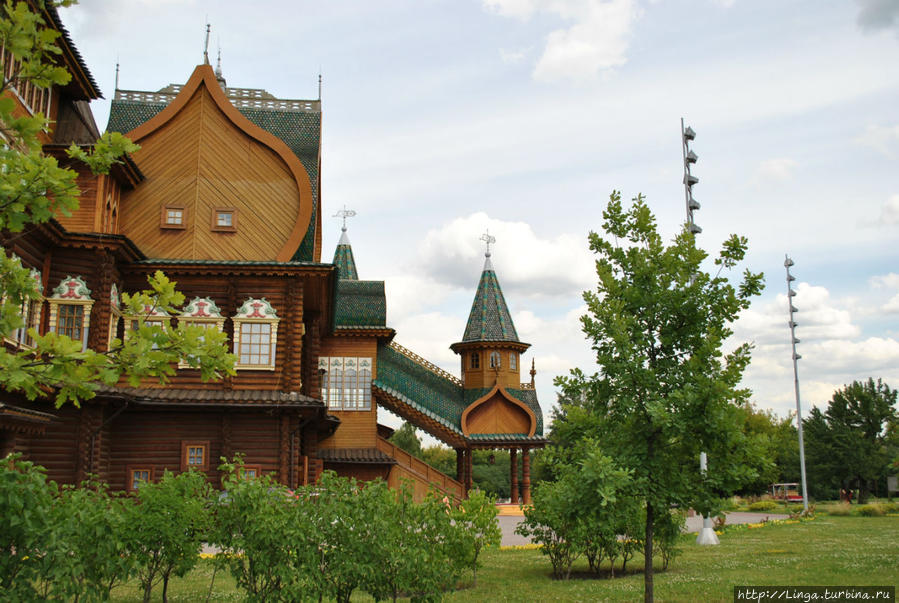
point(343, 255)
point(490, 348)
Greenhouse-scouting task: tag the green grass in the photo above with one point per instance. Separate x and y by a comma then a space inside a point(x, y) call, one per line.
point(839, 551)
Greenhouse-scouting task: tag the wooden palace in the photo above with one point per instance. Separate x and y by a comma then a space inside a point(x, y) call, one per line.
point(224, 196)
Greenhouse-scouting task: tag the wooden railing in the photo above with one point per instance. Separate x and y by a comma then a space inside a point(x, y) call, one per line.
point(239, 97)
point(419, 470)
point(424, 363)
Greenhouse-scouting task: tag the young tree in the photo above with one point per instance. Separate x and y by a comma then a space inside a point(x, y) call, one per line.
point(657, 323)
point(33, 189)
point(406, 437)
point(850, 438)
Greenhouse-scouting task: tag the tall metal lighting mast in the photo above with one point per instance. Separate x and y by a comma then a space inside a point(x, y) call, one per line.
point(793, 341)
point(707, 534)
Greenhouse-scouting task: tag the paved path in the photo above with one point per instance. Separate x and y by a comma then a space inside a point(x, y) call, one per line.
point(507, 524)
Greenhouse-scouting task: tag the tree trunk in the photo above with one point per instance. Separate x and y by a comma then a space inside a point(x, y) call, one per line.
point(647, 555)
point(165, 588)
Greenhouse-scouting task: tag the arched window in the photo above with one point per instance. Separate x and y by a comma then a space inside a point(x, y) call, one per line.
point(495, 361)
point(475, 360)
point(513, 361)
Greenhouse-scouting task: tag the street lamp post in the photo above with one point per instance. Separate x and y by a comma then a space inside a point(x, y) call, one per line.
point(707, 533)
point(793, 341)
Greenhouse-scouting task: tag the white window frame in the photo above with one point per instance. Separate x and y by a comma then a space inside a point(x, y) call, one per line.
point(342, 392)
point(72, 291)
point(255, 312)
point(201, 312)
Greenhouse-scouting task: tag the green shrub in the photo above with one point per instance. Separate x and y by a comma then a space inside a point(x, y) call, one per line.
point(763, 505)
point(841, 509)
point(871, 510)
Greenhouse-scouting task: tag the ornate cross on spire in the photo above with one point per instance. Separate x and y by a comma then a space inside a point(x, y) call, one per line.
point(487, 238)
point(345, 213)
point(206, 46)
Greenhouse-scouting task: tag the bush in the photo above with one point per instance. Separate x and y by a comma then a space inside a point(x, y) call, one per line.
point(872, 510)
point(841, 509)
point(763, 505)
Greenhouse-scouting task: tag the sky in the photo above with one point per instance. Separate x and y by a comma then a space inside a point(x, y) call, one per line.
point(445, 118)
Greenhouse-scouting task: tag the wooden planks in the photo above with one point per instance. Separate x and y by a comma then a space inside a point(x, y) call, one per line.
point(200, 160)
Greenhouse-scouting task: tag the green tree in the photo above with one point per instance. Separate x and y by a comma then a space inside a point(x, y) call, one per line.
point(657, 323)
point(855, 442)
point(441, 458)
point(167, 528)
point(406, 437)
point(475, 519)
point(33, 189)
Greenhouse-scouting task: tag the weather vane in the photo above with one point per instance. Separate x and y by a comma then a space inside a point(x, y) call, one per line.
point(345, 213)
point(487, 238)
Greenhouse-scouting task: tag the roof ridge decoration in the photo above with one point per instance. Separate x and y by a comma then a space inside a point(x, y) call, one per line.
point(203, 75)
point(250, 98)
point(425, 363)
point(489, 319)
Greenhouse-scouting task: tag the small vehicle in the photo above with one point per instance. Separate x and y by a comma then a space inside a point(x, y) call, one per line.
point(786, 492)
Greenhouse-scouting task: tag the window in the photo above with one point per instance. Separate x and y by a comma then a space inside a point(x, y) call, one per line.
point(250, 471)
point(255, 335)
point(31, 315)
point(494, 360)
point(224, 219)
point(195, 455)
point(200, 312)
point(346, 382)
point(513, 361)
point(70, 309)
point(174, 216)
point(475, 360)
point(136, 475)
point(151, 316)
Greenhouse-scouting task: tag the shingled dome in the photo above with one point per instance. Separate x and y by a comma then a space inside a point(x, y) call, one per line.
point(489, 319)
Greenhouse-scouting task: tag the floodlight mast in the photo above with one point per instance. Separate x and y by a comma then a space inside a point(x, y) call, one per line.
point(793, 341)
point(707, 533)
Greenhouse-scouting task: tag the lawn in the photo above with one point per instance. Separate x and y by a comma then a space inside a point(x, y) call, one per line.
point(839, 551)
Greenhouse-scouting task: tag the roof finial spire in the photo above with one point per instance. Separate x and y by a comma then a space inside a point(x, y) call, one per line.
point(206, 44)
point(533, 372)
point(487, 238)
point(218, 62)
point(116, 74)
point(319, 83)
point(345, 213)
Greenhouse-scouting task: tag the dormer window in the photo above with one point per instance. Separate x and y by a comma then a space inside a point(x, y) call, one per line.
point(255, 335)
point(224, 219)
point(70, 309)
point(174, 216)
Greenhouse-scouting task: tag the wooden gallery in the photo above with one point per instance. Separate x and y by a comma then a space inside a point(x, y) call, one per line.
point(224, 196)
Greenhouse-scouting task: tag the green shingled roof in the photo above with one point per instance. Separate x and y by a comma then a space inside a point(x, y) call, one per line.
point(489, 319)
point(300, 130)
point(438, 397)
point(343, 259)
point(360, 304)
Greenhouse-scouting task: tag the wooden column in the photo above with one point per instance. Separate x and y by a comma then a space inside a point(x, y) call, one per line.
point(525, 476)
point(460, 465)
point(513, 475)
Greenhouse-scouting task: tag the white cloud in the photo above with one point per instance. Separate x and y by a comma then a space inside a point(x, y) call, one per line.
point(526, 264)
point(596, 42)
point(778, 169)
point(880, 138)
point(511, 57)
point(889, 213)
point(878, 14)
point(892, 306)
point(885, 281)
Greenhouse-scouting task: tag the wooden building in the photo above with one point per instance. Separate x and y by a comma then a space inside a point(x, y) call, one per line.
point(224, 197)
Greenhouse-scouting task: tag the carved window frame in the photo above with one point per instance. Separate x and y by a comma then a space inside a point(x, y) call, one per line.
point(200, 311)
point(342, 391)
point(254, 313)
point(71, 291)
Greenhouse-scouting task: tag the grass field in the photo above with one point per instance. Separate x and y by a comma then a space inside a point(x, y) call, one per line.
point(837, 551)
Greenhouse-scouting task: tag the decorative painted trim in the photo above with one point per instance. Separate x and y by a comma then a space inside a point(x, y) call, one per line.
point(72, 291)
point(201, 308)
point(256, 308)
point(256, 311)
